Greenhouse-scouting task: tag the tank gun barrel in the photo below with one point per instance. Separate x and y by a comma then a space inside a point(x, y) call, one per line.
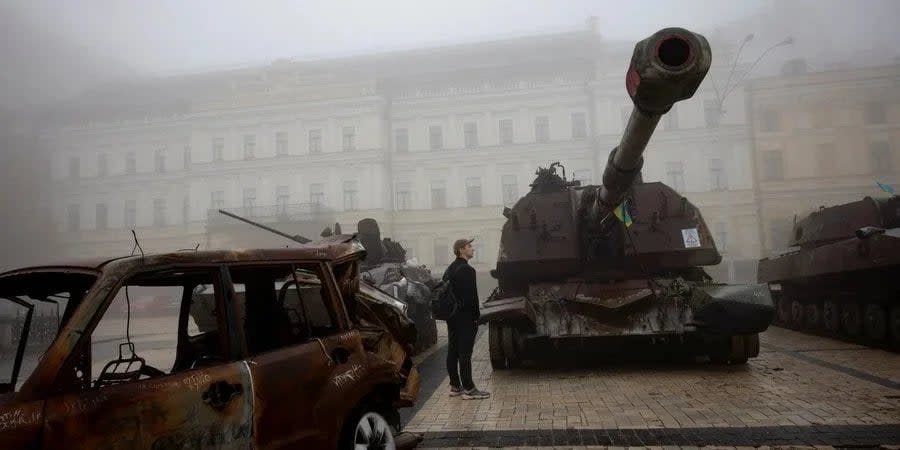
point(665, 68)
point(295, 238)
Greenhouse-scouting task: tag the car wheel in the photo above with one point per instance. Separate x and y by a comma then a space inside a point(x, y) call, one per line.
point(368, 430)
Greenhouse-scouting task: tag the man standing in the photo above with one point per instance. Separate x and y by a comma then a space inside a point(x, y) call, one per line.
point(462, 326)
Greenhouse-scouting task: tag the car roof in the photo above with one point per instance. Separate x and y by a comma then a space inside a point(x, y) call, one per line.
point(328, 249)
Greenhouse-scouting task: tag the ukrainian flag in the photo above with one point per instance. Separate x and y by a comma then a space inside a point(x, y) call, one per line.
point(886, 188)
point(622, 213)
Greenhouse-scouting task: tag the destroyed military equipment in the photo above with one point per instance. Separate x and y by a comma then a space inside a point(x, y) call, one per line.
point(838, 275)
point(598, 265)
point(305, 356)
point(386, 267)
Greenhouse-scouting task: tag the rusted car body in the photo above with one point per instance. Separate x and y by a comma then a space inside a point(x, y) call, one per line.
point(838, 275)
point(305, 365)
point(601, 266)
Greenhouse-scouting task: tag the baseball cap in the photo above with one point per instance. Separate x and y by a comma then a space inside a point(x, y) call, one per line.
point(460, 243)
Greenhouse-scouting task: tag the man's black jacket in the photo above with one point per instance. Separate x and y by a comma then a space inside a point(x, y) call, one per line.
point(462, 280)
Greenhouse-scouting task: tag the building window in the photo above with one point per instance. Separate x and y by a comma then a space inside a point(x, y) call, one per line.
point(249, 201)
point(510, 188)
point(101, 216)
point(717, 176)
point(506, 131)
point(825, 155)
point(711, 113)
point(470, 130)
point(721, 232)
point(771, 120)
point(281, 144)
point(675, 175)
point(875, 113)
point(317, 194)
point(350, 194)
point(250, 146)
point(541, 129)
point(478, 246)
point(880, 154)
point(73, 219)
point(217, 200)
point(159, 161)
point(159, 212)
point(218, 149)
point(130, 163)
point(473, 191)
point(773, 165)
point(404, 196)
point(74, 168)
point(435, 137)
point(315, 141)
point(441, 252)
point(401, 140)
point(186, 210)
point(438, 194)
point(187, 157)
point(130, 214)
point(583, 176)
point(670, 119)
point(579, 126)
point(625, 114)
point(102, 165)
point(349, 138)
point(282, 198)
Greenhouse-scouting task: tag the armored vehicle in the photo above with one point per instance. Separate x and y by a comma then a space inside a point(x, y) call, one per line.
point(838, 275)
point(604, 266)
point(385, 266)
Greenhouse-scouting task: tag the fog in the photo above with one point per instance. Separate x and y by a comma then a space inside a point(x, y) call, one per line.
point(73, 56)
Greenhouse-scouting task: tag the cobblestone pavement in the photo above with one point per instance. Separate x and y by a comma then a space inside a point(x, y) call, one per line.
point(800, 390)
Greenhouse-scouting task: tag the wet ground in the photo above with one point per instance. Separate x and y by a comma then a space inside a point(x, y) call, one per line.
point(801, 390)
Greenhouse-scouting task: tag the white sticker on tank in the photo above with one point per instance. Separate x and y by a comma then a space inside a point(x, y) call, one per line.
point(691, 238)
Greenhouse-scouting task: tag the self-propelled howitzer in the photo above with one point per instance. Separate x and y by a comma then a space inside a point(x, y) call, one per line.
point(621, 260)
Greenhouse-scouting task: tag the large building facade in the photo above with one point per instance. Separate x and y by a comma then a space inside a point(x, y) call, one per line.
point(432, 143)
point(822, 139)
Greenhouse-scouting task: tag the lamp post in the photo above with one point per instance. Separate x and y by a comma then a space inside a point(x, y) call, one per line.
point(729, 153)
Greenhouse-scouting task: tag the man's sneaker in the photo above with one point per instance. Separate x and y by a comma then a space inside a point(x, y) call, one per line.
point(455, 391)
point(475, 394)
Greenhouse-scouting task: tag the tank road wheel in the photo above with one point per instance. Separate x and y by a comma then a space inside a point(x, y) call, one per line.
point(875, 322)
point(784, 311)
point(851, 321)
point(796, 314)
point(511, 347)
point(831, 316)
point(734, 349)
point(495, 346)
point(812, 316)
point(894, 325)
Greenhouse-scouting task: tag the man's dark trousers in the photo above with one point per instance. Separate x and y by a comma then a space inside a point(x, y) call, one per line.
point(460, 342)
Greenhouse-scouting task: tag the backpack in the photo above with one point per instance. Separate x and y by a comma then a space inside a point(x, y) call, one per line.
point(444, 303)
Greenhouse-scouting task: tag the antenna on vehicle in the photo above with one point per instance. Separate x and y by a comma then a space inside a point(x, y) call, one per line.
point(137, 245)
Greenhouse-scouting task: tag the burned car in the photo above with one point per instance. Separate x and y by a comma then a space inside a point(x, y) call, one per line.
point(307, 357)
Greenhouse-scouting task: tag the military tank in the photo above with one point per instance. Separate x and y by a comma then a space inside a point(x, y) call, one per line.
point(386, 267)
point(601, 267)
point(838, 276)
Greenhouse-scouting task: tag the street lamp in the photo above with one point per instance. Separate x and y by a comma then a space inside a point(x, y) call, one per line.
point(728, 157)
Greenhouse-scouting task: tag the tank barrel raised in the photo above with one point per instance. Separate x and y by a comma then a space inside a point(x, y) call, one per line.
point(665, 68)
point(296, 238)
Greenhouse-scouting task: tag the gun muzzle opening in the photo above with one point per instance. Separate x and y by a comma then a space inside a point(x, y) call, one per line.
point(674, 52)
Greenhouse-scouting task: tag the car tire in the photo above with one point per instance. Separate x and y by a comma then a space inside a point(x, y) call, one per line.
point(368, 427)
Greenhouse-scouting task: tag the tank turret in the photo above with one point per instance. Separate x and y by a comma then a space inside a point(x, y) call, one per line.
point(620, 262)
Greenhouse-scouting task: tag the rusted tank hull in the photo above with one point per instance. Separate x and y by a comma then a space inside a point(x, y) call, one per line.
point(599, 315)
point(846, 289)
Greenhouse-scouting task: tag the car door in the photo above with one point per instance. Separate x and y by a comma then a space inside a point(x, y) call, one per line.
point(306, 381)
point(203, 407)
